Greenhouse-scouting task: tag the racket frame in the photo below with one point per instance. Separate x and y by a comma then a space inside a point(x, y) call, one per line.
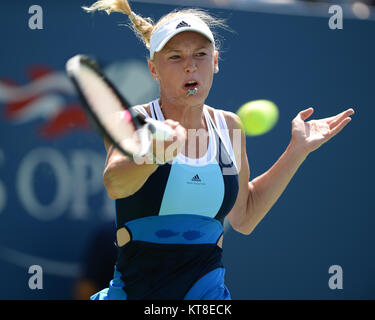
point(91, 63)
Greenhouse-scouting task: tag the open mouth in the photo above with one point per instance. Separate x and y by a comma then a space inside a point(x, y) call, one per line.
point(191, 84)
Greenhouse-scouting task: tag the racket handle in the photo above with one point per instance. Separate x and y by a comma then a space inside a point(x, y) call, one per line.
point(158, 129)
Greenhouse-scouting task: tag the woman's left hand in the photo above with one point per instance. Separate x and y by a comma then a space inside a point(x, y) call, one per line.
point(310, 135)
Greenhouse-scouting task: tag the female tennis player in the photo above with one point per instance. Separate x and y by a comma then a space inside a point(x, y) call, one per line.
point(169, 214)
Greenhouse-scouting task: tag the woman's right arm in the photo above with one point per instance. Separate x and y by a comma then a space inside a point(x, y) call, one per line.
point(122, 176)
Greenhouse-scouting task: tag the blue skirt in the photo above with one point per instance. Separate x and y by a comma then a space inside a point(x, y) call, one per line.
point(210, 287)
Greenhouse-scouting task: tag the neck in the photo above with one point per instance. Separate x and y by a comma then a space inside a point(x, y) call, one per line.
point(189, 116)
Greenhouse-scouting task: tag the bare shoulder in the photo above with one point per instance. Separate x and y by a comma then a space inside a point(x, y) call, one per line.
point(232, 119)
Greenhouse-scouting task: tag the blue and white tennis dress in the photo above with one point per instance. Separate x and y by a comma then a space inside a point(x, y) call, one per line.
point(175, 221)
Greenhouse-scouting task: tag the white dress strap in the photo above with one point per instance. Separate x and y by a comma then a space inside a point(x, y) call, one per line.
point(223, 131)
point(157, 110)
point(152, 110)
point(141, 110)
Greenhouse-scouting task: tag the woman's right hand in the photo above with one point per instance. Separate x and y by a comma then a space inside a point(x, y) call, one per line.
point(166, 150)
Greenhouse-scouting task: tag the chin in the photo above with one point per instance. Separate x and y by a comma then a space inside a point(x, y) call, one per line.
point(194, 100)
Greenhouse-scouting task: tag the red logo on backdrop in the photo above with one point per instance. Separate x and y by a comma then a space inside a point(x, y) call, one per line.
point(48, 96)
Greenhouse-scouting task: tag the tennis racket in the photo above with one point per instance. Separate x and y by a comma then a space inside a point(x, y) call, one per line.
point(110, 112)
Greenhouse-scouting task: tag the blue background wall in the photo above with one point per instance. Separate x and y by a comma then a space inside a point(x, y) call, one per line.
point(324, 218)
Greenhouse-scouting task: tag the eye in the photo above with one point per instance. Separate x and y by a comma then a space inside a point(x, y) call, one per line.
point(201, 54)
point(174, 57)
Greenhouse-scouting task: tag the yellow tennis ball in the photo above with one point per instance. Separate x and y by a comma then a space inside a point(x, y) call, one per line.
point(258, 116)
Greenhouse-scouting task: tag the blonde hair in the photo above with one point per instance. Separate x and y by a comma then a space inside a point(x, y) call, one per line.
point(144, 27)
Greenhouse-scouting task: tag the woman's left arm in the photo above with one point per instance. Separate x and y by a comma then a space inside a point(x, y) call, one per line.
point(256, 198)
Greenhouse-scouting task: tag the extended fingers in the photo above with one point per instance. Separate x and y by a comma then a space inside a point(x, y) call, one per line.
point(335, 130)
point(336, 120)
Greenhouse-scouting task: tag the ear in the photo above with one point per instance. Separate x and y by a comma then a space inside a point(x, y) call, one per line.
point(152, 69)
point(216, 62)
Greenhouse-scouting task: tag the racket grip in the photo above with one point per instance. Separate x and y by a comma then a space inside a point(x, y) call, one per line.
point(159, 130)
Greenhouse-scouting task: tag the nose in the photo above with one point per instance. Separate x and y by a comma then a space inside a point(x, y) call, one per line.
point(190, 65)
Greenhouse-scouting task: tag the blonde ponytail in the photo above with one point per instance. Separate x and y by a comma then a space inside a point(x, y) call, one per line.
point(110, 6)
point(143, 27)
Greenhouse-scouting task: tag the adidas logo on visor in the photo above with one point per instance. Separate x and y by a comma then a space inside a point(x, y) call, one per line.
point(183, 24)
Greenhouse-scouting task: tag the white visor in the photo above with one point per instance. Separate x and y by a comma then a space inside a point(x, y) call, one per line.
point(174, 26)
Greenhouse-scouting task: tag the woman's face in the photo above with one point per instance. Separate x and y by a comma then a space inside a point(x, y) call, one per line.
point(186, 62)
